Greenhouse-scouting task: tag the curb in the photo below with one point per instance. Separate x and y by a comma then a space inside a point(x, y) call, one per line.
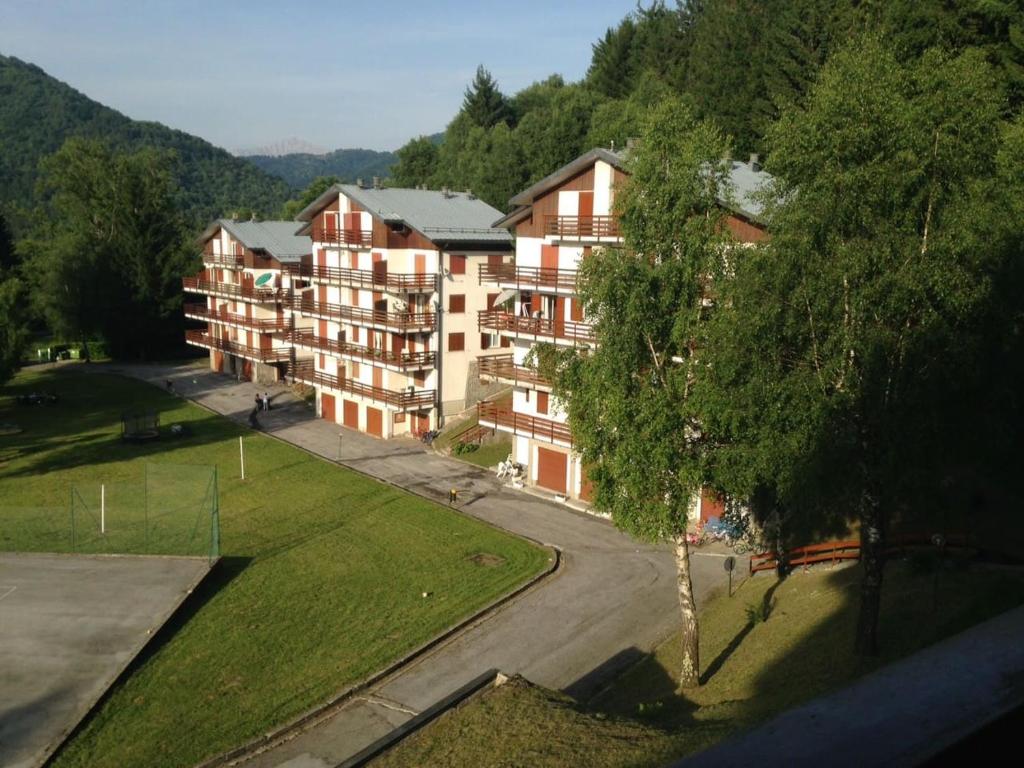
point(491, 678)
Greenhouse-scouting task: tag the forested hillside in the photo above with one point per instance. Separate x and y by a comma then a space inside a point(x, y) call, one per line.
point(738, 62)
point(38, 113)
point(299, 169)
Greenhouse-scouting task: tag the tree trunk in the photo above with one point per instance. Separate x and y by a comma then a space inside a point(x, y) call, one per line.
point(689, 670)
point(872, 556)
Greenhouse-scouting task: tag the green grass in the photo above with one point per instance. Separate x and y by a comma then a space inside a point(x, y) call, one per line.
point(488, 454)
point(802, 650)
point(320, 583)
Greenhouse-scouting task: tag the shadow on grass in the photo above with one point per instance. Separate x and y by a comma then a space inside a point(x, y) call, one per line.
point(224, 571)
point(737, 641)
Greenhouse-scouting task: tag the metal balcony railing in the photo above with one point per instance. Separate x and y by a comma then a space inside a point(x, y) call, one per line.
point(535, 327)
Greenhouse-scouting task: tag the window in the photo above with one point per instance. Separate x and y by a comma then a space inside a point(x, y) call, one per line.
point(456, 342)
point(542, 402)
point(419, 378)
point(458, 264)
point(485, 341)
point(457, 302)
point(355, 370)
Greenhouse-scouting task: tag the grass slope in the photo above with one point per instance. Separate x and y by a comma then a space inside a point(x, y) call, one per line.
point(753, 672)
point(321, 582)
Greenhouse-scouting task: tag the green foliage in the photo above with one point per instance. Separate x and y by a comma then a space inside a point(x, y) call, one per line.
point(461, 449)
point(483, 103)
point(38, 112)
point(611, 66)
point(110, 257)
point(13, 323)
point(8, 255)
point(758, 613)
point(319, 185)
point(416, 164)
point(301, 169)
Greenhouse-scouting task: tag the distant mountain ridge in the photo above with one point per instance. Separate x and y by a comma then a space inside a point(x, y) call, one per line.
point(300, 169)
point(38, 113)
point(290, 146)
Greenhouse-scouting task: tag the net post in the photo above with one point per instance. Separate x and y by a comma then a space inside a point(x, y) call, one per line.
point(145, 508)
point(215, 521)
point(73, 544)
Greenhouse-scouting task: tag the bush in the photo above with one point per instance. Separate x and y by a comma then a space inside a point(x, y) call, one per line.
point(461, 449)
point(759, 612)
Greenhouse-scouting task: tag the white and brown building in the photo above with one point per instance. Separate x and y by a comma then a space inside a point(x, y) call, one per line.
point(388, 304)
point(242, 296)
point(557, 222)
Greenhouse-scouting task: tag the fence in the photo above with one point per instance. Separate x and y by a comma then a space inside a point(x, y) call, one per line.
point(172, 509)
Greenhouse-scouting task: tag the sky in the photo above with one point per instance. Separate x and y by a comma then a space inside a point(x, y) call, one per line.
point(334, 73)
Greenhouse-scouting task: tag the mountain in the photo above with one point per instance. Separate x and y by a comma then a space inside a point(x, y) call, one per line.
point(289, 146)
point(299, 169)
point(38, 112)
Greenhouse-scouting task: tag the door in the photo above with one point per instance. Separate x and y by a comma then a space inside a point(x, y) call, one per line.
point(548, 264)
point(378, 377)
point(375, 422)
point(551, 467)
point(420, 263)
point(711, 504)
point(380, 269)
point(327, 407)
point(586, 214)
point(559, 316)
point(218, 362)
point(420, 423)
point(350, 414)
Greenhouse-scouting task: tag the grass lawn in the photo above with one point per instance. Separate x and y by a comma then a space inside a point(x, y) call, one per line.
point(488, 454)
point(320, 583)
point(753, 671)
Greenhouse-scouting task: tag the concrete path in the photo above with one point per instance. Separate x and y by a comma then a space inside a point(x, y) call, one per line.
point(611, 601)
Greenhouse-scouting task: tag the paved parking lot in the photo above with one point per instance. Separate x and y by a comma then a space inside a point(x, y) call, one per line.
point(69, 625)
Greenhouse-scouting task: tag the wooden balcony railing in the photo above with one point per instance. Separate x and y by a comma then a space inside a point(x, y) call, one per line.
point(403, 400)
point(368, 278)
point(489, 414)
point(402, 322)
point(504, 367)
point(582, 227)
point(533, 278)
point(535, 327)
point(357, 237)
point(200, 339)
point(263, 325)
point(231, 290)
point(413, 361)
point(224, 259)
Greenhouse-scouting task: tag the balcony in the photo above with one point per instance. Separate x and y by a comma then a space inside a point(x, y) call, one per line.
point(224, 259)
point(266, 325)
point(529, 278)
point(582, 227)
point(232, 290)
point(491, 415)
point(504, 369)
point(205, 340)
point(344, 237)
point(403, 361)
point(535, 328)
point(400, 322)
point(404, 400)
point(368, 278)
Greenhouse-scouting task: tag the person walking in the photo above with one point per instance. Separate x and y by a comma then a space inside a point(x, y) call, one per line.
point(266, 401)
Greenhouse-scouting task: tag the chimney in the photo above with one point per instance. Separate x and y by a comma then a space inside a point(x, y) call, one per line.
point(359, 183)
point(376, 182)
point(755, 162)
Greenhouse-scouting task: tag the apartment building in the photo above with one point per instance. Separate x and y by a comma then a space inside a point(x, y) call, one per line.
point(557, 222)
point(242, 295)
point(389, 302)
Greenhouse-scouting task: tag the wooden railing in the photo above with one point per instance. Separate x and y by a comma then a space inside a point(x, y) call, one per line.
point(200, 339)
point(504, 367)
point(406, 360)
point(402, 400)
point(403, 322)
point(224, 259)
point(847, 549)
point(265, 325)
point(361, 237)
point(540, 327)
point(581, 226)
point(537, 278)
point(231, 290)
point(370, 278)
point(491, 414)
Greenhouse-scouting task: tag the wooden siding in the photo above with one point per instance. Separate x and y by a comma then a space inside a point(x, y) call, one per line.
point(547, 204)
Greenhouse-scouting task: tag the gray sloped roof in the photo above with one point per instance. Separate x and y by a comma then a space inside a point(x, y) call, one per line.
point(277, 238)
point(742, 197)
point(452, 218)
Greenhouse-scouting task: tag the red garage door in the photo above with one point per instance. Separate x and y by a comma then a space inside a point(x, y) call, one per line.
point(375, 422)
point(551, 470)
point(327, 407)
point(350, 414)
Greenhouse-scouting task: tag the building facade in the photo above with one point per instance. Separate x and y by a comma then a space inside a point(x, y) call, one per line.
point(557, 222)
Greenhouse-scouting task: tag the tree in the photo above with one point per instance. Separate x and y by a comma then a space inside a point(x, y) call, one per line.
point(628, 399)
point(13, 333)
point(611, 69)
point(417, 162)
point(484, 104)
point(111, 248)
point(556, 134)
point(8, 256)
point(317, 187)
point(838, 354)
